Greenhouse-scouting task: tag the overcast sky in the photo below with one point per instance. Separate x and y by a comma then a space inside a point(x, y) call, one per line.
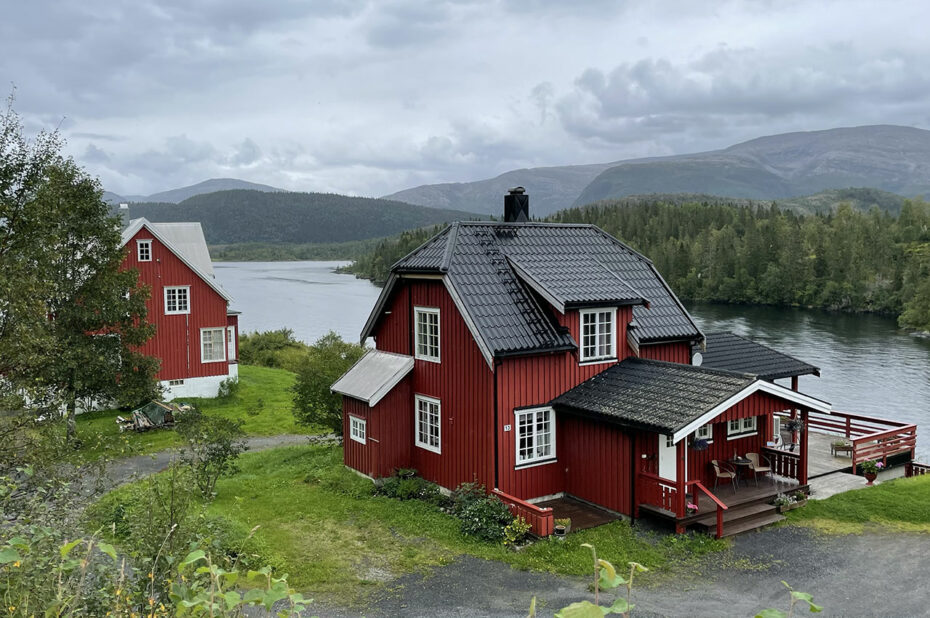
point(367, 98)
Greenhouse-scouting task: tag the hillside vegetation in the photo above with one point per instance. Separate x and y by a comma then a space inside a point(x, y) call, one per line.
point(230, 217)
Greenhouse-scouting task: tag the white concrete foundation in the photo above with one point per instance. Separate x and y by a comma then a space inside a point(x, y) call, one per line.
point(206, 387)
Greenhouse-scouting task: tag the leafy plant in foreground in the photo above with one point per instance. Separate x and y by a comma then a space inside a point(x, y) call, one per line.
point(796, 597)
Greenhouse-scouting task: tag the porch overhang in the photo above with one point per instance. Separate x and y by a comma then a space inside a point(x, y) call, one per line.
point(373, 376)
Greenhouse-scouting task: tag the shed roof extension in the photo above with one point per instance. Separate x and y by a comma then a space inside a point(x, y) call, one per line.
point(373, 376)
point(492, 270)
point(669, 398)
point(732, 352)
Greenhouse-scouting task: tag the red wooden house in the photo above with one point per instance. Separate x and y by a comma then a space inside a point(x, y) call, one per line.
point(196, 334)
point(550, 362)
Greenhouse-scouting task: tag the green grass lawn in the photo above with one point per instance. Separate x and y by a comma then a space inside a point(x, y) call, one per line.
point(897, 505)
point(100, 435)
point(320, 522)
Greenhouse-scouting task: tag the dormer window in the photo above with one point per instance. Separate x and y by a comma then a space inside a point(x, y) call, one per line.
point(426, 321)
point(144, 250)
point(598, 334)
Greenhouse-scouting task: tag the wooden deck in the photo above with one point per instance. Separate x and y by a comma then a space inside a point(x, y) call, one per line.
point(582, 514)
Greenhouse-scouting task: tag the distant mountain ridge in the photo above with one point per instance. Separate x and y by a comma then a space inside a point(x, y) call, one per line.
point(175, 196)
point(246, 216)
point(890, 158)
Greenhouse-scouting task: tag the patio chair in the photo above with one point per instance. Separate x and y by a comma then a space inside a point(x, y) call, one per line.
point(723, 471)
point(756, 466)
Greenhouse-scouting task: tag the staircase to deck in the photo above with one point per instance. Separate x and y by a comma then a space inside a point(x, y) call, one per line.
point(742, 517)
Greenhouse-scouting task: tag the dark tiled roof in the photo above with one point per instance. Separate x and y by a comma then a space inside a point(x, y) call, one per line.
point(492, 266)
point(653, 395)
point(734, 353)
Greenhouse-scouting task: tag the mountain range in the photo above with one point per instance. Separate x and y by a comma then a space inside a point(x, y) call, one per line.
point(890, 158)
point(175, 196)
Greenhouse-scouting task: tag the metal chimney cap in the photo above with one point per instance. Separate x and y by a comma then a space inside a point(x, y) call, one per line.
point(517, 191)
point(124, 206)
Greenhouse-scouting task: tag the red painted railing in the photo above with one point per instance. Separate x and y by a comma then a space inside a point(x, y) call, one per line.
point(872, 438)
point(541, 520)
point(721, 507)
point(784, 463)
point(656, 491)
point(914, 468)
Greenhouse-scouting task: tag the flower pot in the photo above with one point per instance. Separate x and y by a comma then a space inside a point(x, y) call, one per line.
point(788, 507)
point(559, 530)
point(870, 477)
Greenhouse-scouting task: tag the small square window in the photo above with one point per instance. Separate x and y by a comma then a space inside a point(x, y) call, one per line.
point(705, 432)
point(175, 382)
point(738, 428)
point(144, 250)
point(357, 429)
point(598, 334)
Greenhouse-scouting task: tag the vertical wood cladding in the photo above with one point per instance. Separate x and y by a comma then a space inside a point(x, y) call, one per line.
point(177, 337)
point(461, 381)
point(596, 457)
point(677, 352)
point(389, 433)
point(355, 454)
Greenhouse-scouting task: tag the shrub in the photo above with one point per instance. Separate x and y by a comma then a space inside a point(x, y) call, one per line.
point(212, 445)
point(516, 531)
point(486, 519)
point(229, 389)
point(412, 488)
point(327, 360)
point(466, 494)
point(274, 348)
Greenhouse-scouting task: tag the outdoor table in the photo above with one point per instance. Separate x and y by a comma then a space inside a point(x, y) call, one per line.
point(740, 464)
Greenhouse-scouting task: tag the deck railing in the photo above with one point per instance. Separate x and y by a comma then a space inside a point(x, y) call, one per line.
point(540, 519)
point(721, 507)
point(654, 490)
point(914, 468)
point(784, 463)
point(872, 438)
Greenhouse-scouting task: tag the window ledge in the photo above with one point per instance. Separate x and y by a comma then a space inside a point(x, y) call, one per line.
point(597, 361)
point(533, 464)
point(431, 449)
point(737, 436)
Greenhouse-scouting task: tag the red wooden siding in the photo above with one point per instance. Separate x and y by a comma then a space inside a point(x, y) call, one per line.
point(389, 427)
point(572, 320)
point(462, 382)
point(597, 463)
point(177, 337)
point(357, 455)
point(677, 352)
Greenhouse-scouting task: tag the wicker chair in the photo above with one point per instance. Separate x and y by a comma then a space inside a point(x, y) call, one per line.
point(757, 467)
point(724, 471)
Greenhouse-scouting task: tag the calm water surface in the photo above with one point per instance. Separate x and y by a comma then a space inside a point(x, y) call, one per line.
point(867, 365)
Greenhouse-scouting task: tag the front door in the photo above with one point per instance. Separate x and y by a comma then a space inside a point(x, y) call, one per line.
point(667, 450)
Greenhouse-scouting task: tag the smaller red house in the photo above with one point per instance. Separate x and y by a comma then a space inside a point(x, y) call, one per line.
point(196, 334)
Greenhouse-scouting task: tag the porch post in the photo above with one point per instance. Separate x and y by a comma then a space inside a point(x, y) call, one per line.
point(680, 474)
point(802, 473)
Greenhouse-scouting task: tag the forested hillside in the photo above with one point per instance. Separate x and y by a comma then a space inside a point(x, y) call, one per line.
point(376, 264)
point(230, 217)
point(847, 260)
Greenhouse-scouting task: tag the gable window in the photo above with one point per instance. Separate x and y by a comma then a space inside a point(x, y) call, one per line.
point(535, 435)
point(357, 429)
point(144, 250)
point(212, 348)
point(428, 423)
point(427, 333)
point(177, 300)
point(598, 334)
point(740, 427)
point(705, 432)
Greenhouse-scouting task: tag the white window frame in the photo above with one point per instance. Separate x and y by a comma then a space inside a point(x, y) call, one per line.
point(214, 329)
point(178, 382)
point(231, 342)
point(358, 429)
point(187, 297)
point(426, 311)
point(612, 352)
point(744, 427)
point(147, 244)
point(418, 422)
point(705, 432)
point(537, 458)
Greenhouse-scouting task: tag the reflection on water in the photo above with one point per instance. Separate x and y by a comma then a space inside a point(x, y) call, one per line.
point(867, 364)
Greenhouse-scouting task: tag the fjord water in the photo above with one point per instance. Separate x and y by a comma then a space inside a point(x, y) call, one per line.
point(867, 364)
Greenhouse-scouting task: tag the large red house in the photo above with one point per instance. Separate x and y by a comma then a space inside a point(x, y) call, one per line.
point(196, 334)
point(549, 361)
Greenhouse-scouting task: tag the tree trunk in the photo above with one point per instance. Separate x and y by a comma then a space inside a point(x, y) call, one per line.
point(71, 421)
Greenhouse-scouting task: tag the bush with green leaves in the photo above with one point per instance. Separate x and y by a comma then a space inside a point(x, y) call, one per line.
point(486, 519)
point(326, 361)
point(465, 494)
point(274, 348)
point(212, 444)
point(229, 389)
point(516, 531)
point(412, 488)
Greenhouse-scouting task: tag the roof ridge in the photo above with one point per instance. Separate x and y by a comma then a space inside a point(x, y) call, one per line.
point(775, 350)
point(696, 368)
point(450, 247)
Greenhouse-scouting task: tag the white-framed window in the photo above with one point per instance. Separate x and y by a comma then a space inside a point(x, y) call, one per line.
point(231, 341)
point(740, 427)
point(705, 432)
point(144, 250)
point(177, 299)
point(428, 423)
point(357, 429)
point(426, 327)
point(175, 382)
point(535, 435)
point(212, 348)
point(598, 334)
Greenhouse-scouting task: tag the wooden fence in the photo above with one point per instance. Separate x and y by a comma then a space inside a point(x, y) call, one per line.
point(541, 520)
point(657, 491)
point(784, 463)
point(914, 468)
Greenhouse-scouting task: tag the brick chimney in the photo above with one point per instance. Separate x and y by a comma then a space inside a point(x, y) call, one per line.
point(516, 206)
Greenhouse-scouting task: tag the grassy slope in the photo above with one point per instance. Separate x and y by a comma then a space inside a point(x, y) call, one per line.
point(335, 543)
point(898, 505)
point(99, 433)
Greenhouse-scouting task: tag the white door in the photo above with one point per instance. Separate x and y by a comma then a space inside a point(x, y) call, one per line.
point(667, 450)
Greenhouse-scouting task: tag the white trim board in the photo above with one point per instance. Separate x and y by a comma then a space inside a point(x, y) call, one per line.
point(759, 385)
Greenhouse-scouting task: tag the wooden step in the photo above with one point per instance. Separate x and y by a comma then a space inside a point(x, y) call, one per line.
point(746, 524)
point(736, 513)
